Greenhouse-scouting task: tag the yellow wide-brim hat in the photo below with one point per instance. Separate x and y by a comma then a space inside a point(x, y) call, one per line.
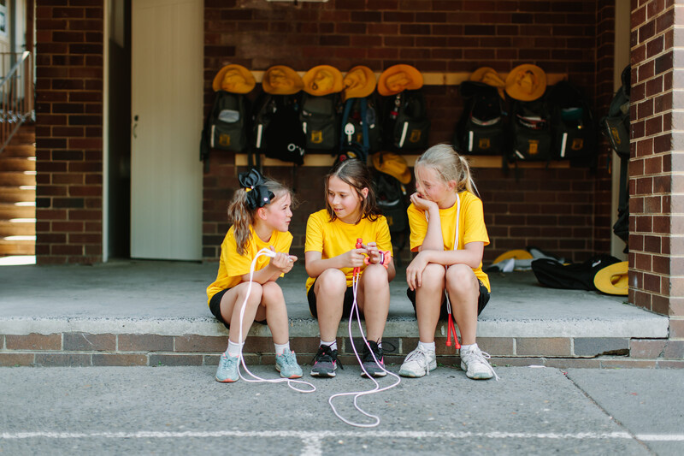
point(392, 164)
point(398, 78)
point(281, 80)
point(516, 254)
point(490, 77)
point(526, 82)
point(323, 80)
point(359, 82)
point(235, 79)
point(613, 279)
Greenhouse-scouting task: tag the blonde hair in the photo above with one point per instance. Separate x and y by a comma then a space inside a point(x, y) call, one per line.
point(356, 174)
point(449, 166)
point(242, 217)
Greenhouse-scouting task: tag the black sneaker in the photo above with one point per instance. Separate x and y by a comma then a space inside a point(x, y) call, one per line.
point(325, 362)
point(369, 364)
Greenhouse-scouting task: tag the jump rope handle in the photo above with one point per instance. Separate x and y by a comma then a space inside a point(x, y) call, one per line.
point(452, 329)
point(359, 244)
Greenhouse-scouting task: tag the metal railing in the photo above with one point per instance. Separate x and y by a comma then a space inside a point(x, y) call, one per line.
point(16, 93)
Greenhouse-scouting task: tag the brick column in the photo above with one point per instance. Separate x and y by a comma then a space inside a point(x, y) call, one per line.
point(656, 185)
point(69, 88)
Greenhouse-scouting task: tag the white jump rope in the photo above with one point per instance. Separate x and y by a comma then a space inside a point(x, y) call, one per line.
point(377, 389)
point(255, 378)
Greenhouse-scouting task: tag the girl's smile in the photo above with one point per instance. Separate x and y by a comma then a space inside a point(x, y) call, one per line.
point(344, 200)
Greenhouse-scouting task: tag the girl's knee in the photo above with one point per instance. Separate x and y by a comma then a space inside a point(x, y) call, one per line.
point(375, 274)
point(433, 276)
point(460, 279)
point(272, 293)
point(332, 281)
point(255, 294)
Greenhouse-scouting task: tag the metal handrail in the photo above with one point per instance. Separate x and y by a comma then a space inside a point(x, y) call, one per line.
point(16, 94)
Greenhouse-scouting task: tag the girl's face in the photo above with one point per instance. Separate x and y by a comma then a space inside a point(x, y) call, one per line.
point(278, 214)
point(344, 200)
point(429, 186)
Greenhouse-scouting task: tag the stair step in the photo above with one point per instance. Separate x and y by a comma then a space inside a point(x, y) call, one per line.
point(18, 228)
point(17, 164)
point(16, 194)
point(12, 178)
point(17, 247)
point(12, 211)
point(19, 150)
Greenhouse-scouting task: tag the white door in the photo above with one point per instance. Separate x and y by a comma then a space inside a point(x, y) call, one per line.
point(166, 174)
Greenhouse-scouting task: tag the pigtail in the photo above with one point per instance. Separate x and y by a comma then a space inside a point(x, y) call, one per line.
point(241, 218)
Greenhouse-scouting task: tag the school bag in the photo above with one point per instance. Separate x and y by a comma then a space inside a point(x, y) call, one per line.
point(406, 124)
point(616, 127)
point(576, 276)
point(360, 130)
point(572, 124)
point(531, 131)
point(225, 128)
point(320, 121)
point(482, 129)
point(276, 129)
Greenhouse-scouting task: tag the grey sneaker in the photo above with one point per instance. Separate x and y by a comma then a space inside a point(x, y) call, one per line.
point(369, 364)
point(474, 363)
point(418, 363)
point(325, 362)
point(287, 365)
point(227, 371)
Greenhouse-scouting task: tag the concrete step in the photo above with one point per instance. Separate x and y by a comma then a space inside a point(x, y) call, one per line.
point(17, 178)
point(151, 313)
point(17, 195)
point(17, 227)
point(17, 164)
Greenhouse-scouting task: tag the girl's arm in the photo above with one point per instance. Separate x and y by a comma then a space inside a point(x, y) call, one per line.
point(315, 264)
point(471, 255)
point(281, 264)
point(433, 238)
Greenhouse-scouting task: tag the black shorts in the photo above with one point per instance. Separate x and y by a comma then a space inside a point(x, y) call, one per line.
point(348, 302)
point(215, 307)
point(443, 314)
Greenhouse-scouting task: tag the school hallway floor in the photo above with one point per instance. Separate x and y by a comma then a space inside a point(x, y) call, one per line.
point(154, 313)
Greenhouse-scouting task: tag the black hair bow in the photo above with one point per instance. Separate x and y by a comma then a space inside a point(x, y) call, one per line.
point(258, 195)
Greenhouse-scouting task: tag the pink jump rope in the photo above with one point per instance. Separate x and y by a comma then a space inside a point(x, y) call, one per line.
point(385, 258)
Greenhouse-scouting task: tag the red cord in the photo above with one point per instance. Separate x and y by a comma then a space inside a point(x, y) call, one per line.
point(452, 329)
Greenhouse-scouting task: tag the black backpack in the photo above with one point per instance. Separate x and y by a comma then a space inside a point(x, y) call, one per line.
point(575, 276)
point(531, 131)
point(616, 127)
point(359, 129)
point(276, 128)
point(482, 129)
point(226, 126)
point(572, 124)
point(391, 197)
point(320, 122)
point(406, 124)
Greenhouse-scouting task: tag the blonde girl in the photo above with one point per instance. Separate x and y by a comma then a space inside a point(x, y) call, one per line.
point(331, 235)
point(260, 212)
point(448, 230)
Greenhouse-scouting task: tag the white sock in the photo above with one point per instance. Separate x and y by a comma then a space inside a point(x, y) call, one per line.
point(428, 347)
point(332, 345)
point(469, 347)
point(280, 348)
point(234, 350)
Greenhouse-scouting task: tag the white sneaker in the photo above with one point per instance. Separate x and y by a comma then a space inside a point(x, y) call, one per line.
point(474, 363)
point(418, 363)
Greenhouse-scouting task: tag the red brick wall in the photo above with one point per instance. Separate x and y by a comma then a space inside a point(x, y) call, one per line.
point(656, 232)
point(69, 65)
point(434, 36)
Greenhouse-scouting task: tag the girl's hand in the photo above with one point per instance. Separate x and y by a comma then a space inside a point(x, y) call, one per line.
point(354, 258)
point(373, 252)
point(421, 203)
point(282, 261)
point(414, 272)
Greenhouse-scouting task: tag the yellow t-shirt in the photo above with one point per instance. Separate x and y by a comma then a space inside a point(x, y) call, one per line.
point(471, 227)
point(233, 266)
point(335, 238)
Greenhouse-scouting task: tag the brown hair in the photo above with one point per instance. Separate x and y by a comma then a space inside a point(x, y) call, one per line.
point(356, 174)
point(242, 217)
point(449, 166)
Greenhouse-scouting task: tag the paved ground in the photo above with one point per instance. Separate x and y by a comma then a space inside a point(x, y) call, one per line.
point(108, 411)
